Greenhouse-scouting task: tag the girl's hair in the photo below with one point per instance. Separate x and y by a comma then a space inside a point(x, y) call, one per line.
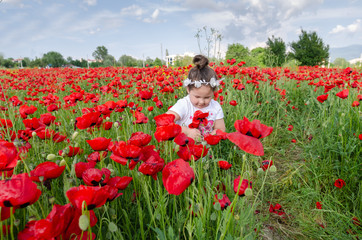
point(201, 70)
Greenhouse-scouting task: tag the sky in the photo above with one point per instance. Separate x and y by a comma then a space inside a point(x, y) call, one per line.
point(147, 28)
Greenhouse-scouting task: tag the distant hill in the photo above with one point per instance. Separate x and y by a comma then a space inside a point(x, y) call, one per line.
point(348, 53)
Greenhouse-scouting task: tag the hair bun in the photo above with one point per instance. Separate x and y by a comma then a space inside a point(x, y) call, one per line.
point(200, 61)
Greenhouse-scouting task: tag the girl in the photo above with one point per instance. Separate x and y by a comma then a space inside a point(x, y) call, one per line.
point(200, 85)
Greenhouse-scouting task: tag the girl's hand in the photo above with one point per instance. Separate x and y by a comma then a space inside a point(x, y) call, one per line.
point(194, 134)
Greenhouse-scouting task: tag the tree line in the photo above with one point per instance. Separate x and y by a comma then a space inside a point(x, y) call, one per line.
point(308, 50)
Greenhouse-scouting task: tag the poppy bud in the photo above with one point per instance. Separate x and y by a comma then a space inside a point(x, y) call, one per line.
point(273, 169)
point(244, 157)
point(116, 124)
point(17, 222)
point(51, 200)
point(83, 222)
point(248, 192)
point(74, 135)
point(260, 171)
point(107, 118)
point(62, 163)
point(33, 134)
point(51, 156)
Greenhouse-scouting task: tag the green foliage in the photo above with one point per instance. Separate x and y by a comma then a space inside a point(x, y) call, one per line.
point(157, 62)
point(276, 51)
point(100, 53)
point(341, 62)
point(257, 57)
point(127, 61)
point(182, 61)
point(54, 59)
point(310, 50)
point(238, 52)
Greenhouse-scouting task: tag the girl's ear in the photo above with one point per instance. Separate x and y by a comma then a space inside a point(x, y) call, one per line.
point(188, 90)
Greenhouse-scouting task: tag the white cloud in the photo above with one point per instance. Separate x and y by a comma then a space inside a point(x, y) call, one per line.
point(154, 17)
point(133, 10)
point(351, 28)
point(90, 2)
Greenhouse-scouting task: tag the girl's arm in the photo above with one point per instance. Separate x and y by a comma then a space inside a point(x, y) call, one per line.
point(177, 117)
point(219, 124)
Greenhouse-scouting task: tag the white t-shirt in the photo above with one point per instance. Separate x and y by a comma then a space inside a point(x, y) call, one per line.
point(186, 110)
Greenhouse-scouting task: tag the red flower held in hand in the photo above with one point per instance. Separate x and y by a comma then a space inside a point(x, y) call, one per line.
point(248, 135)
point(18, 192)
point(47, 170)
point(99, 143)
point(177, 176)
point(224, 165)
point(199, 118)
point(93, 196)
point(322, 98)
point(339, 183)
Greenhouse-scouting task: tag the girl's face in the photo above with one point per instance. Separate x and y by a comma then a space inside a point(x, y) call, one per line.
point(201, 97)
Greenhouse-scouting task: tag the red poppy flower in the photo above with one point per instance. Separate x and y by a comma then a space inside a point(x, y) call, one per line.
point(96, 177)
point(339, 183)
point(99, 143)
point(70, 151)
point(221, 133)
point(6, 123)
point(192, 152)
point(107, 125)
point(47, 119)
point(248, 135)
point(82, 166)
point(52, 108)
point(87, 120)
point(41, 229)
point(26, 110)
point(224, 165)
point(169, 132)
point(199, 118)
point(139, 139)
point(233, 103)
point(243, 186)
point(150, 108)
point(60, 216)
point(19, 191)
point(318, 205)
point(145, 95)
point(212, 139)
point(45, 133)
point(294, 141)
point(277, 209)
point(152, 165)
point(96, 156)
point(322, 98)
point(266, 164)
point(8, 156)
point(290, 127)
point(32, 123)
point(177, 176)
point(123, 152)
point(140, 117)
point(355, 104)
point(120, 182)
point(182, 140)
point(224, 201)
point(59, 138)
point(164, 119)
point(343, 94)
point(93, 196)
point(47, 170)
point(360, 137)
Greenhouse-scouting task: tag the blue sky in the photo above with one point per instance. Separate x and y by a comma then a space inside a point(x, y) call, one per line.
point(30, 28)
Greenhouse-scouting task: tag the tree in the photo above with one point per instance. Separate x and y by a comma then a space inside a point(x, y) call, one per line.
point(54, 59)
point(182, 61)
point(100, 53)
point(238, 52)
point(127, 61)
point(276, 51)
point(341, 62)
point(157, 62)
point(257, 57)
point(109, 60)
point(310, 50)
point(213, 39)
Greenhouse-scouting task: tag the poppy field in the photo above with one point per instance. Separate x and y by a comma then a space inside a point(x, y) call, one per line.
point(91, 154)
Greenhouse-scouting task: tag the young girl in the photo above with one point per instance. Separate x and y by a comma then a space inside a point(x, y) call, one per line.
point(200, 85)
